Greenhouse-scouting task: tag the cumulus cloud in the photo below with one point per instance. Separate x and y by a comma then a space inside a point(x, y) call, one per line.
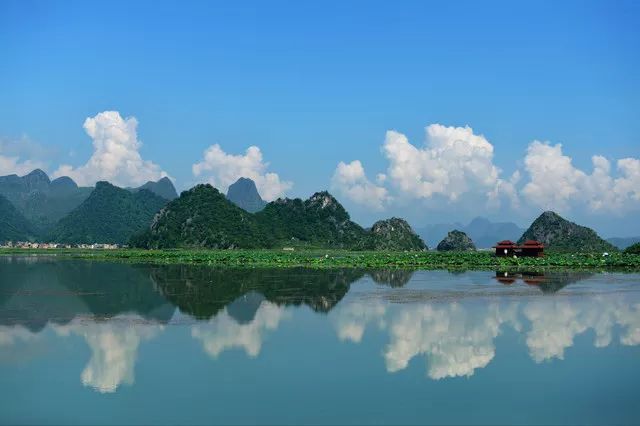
point(221, 170)
point(453, 163)
point(223, 332)
point(555, 183)
point(114, 348)
point(116, 157)
point(351, 181)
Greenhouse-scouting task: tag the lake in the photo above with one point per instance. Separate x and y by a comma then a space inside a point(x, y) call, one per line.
point(105, 343)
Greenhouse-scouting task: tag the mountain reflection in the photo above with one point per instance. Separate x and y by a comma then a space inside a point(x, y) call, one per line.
point(452, 321)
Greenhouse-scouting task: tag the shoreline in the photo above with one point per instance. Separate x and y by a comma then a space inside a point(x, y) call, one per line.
point(317, 258)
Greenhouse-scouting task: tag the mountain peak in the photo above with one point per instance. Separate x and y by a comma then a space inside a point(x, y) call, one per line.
point(162, 187)
point(558, 233)
point(244, 194)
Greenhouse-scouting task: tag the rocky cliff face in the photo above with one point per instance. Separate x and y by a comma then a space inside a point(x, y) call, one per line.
point(557, 233)
point(456, 241)
point(394, 234)
point(244, 194)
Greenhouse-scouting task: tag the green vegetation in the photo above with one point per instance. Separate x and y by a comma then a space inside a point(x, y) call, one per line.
point(109, 215)
point(355, 259)
point(559, 234)
point(456, 241)
point(13, 225)
point(633, 249)
point(204, 218)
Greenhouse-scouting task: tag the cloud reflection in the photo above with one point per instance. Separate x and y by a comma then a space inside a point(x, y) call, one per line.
point(114, 348)
point(224, 332)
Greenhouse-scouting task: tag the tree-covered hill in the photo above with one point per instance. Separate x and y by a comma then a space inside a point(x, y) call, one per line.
point(13, 225)
point(559, 234)
point(109, 215)
point(203, 217)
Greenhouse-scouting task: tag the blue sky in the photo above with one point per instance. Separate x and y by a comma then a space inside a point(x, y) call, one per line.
point(314, 84)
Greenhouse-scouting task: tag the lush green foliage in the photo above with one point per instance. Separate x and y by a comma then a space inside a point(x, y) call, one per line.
point(358, 259)
point(633, 249)
point(559, 234)
point(13, 225)
point(456, 241)
point(203, 217)
point(109, 215)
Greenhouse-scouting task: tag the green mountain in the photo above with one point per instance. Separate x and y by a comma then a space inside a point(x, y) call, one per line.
point(203, 217)
point(623, 242)
point(633, 249)
point(109, 215)
point(456, 241)
point(13, 225)
point(394, 234)
point(559, 234)
point(244, 194)
point(41, 201)
point(319, 221)
point(163, 187)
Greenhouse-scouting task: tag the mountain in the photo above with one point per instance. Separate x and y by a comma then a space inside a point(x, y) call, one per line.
point(319, 221)
point(41, 201)
point(109, 215)
point(163, 187)
point(394, 234)
point(456, 241)
point(244, 194)
point(557, 233)
point(481, 230)
point(203, 217)
point(13, 225)
point(623, 242)
point(633, 249)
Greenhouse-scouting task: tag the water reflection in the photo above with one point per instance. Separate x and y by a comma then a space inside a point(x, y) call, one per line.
point(450, 321)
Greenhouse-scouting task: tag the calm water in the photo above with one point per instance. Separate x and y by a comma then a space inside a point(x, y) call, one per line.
point(84, 342)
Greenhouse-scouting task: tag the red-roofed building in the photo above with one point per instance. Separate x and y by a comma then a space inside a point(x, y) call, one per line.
point(530, 248)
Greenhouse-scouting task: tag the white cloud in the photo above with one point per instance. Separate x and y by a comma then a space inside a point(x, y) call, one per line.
point(221, 170)
point(351, 181)
point(453, 162)
point(555, 183)
point(223, 332)
point(13, 153)
point(116, 157)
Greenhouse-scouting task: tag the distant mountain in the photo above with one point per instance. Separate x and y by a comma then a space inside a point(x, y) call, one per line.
point(203, 217)
point(41, 201)
point(456, 241)
point(163, 187)
point(244, 194)
point(623, 242)
point(109, 215)
point(394, 234)
point(482, 231)
point(557, 233)
point(13, 225)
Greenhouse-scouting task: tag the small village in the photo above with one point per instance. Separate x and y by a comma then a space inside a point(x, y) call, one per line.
point(34, 245)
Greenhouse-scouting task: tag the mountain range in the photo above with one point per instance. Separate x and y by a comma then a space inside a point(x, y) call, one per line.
point(482, 232)
point(203, 217)
point(46, 208)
